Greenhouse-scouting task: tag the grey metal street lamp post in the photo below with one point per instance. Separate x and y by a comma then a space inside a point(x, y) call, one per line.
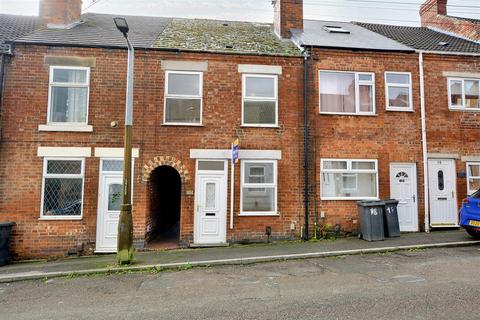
point(125, 223)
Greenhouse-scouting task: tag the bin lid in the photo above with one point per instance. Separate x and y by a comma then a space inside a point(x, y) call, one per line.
point(370, 203)
point(7, 224)
point(390, 201)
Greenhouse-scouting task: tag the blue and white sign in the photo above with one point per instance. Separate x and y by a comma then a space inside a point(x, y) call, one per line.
point(235, 150)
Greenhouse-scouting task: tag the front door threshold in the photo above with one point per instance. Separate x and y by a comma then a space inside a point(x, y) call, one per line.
point(208, 245)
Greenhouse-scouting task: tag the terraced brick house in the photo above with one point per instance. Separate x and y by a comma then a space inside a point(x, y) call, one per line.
point(327, 113)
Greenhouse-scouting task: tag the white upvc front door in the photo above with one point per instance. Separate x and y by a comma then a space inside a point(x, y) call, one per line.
point(110, 199)
point(403, 187)
point(211, 207)
point(443, 193)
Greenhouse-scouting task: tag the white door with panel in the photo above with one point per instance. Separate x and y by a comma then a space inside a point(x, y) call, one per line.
point(211, 208)
point(403, 187)
point(109, 213)
point(443, 193)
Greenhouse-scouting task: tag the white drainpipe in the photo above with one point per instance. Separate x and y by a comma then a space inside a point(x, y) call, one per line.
point(424, 143)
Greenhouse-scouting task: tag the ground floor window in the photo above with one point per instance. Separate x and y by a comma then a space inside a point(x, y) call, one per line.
point(259, 187)
point(349, 179)
point(62, 191)
point(473, 177)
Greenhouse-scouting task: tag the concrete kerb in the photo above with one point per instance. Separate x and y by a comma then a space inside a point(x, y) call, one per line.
point(233, 261)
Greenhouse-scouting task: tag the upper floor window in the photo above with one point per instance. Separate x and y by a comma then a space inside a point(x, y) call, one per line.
point(464, 94)
point(68, 95)
point(347, 92)
point(398, 90)
point(260, 100)
point(183, 98)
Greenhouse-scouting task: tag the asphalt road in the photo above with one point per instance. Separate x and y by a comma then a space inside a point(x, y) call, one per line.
point(430, 284)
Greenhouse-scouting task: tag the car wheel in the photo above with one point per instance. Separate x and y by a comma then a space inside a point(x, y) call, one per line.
point(474, 233)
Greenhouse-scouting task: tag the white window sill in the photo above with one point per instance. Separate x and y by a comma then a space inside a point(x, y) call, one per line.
point(464, 109)
point(348, 114)
point(399, 109)
point(59, 218)
point(258, 214)
point(65, 128)
point(274, 126)
point(182, 124)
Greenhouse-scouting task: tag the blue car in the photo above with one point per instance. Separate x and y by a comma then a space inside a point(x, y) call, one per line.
point(470, 215)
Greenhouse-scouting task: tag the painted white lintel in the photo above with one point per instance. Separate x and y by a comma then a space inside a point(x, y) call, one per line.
point(64, 152)
point(114, 152)
point(259, 68)
point(227, 154)
point(471, 158)
point(182, 65)
point(443, 156)
point(454, 74)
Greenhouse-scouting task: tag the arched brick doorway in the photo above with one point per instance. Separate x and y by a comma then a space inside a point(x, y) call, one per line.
point(163, 222)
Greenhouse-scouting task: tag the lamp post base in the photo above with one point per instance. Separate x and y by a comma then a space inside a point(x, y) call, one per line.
point(125, 235)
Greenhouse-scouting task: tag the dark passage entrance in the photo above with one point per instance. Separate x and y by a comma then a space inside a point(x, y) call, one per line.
point(165, 201)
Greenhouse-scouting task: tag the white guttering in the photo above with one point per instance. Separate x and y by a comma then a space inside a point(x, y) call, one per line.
point(424, 143)
point(449, 53)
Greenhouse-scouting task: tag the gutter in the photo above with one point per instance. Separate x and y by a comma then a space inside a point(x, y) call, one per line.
point(426, 199)
point(448, 53)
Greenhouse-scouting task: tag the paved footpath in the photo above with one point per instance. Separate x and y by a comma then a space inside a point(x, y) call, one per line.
point(428, 284)
point(237, 254)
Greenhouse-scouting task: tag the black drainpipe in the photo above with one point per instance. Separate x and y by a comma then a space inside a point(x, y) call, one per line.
point(306, 142)
point(2, 73)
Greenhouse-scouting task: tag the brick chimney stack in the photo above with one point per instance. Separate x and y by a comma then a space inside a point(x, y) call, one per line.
point(60, 13)
point(288, 14)
point(433, 14)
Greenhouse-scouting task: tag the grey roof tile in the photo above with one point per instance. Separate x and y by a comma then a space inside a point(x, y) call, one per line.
point(359, 38)
point(422, 38)
point(13, 26)
point(98, 30)
point(168, 33)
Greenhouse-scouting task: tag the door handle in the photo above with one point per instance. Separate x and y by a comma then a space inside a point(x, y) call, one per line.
point(414, 198)
point(453, 194)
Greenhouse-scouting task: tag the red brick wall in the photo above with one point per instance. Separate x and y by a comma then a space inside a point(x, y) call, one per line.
point(388, 136)
point(452, 132)
point(60, 12)
point(434, 14)
point(25, 107)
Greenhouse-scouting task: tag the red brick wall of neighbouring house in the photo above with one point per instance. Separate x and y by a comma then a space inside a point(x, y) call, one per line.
point(451, 132)
point(388, 136)
point(25, 107)
point(433, 13)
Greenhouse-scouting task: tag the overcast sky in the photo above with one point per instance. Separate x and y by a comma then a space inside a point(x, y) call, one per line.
point(380, 11)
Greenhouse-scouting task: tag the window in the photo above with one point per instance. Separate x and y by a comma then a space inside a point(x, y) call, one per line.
point(260, 100)
point(347, 92)
point(336, 29)
point(62, 191)
point(398, 87)
point(259, 187)
point(183, 98)
point(473, 177)
point(68, 95)
point(349, 179)
point(464, 94)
